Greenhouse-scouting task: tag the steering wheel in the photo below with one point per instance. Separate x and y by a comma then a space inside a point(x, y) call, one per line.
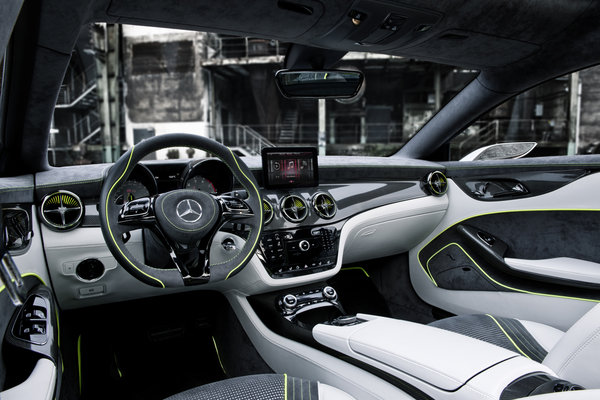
point(186, 221)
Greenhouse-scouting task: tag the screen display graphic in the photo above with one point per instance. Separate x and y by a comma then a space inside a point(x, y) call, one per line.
point(290, 167)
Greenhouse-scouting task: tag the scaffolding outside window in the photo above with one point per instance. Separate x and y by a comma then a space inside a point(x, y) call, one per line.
point(127, 83)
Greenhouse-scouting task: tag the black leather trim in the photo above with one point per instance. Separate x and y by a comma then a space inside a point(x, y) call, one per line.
point(504, 332)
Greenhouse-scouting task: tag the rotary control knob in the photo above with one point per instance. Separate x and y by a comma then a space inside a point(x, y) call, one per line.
point(304, 245)
point(289, 301)
point(329, 293)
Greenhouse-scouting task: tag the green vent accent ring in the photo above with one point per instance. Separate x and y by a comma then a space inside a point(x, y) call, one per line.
point(436, 183)
point(294, 208)
point(324, 205)
point(62, 210)
point(267, 211)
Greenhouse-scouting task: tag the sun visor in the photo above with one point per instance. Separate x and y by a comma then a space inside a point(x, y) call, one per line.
point(282, 19)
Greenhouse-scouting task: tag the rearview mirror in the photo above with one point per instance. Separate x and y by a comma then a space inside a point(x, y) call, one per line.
point(323, 84)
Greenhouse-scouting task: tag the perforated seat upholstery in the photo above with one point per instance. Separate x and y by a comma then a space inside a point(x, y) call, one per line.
point(263, 387)
point(572, 355)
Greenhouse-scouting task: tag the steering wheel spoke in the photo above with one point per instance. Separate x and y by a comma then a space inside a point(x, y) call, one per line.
point(233, 208)
point(139, 213)
point(190, 260)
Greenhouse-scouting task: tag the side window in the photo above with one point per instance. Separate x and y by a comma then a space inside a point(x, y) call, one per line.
point(560, 115)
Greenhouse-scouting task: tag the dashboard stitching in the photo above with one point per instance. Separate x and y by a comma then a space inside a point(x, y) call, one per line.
point(16, 188)
point(70, 183)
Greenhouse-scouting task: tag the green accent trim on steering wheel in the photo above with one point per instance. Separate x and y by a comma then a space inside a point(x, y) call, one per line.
point(260, 216)
point(108, 221)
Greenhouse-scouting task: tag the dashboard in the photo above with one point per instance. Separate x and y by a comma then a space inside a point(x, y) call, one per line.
point(359, 209)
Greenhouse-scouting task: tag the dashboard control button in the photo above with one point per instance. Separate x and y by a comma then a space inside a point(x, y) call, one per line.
point(304, 245)
point(290, 301)
point(329, 293)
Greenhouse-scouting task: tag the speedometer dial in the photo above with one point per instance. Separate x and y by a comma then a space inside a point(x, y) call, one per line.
point(200, 183)
point(131, 190)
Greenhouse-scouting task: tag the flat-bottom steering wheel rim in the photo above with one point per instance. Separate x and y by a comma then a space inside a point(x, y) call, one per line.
point(112, 231)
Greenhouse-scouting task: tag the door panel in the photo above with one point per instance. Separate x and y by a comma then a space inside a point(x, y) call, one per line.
point(461, 266)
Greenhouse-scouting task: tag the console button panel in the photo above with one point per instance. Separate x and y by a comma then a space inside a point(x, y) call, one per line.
point(291, 305)
point(302, 251)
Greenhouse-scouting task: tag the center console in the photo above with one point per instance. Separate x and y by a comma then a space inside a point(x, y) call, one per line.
point(299, 251)
point(439, 363)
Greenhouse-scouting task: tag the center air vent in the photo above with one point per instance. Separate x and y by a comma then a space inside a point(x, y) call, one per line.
point(267, 211)
point(294, 208)
point(324, 205)
point(62, 210)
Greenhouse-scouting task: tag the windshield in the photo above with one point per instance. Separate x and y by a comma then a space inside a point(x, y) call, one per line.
point(127, 83)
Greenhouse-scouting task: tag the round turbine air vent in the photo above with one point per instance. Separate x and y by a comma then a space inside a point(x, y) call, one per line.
point(324, 205)
point(62, 210)
point(267, 211)
point(294, 208)
point(436, 183)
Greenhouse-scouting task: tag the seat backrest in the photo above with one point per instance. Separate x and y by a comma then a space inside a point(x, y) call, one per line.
point(575, 356)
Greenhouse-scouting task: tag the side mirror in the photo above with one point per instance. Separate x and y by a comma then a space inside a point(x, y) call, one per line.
point(322, 84)
point(501, 151)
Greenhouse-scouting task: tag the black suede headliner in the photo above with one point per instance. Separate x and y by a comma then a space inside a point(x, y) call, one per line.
point(515, 43)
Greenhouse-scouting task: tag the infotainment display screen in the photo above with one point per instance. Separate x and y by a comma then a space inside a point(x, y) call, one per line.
point(285, 167)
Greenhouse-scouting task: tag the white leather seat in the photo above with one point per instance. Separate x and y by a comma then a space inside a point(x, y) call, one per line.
point(573, 355)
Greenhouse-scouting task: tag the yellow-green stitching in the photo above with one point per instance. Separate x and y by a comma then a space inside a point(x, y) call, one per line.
point(57, 326)
point(285, 386)
point(218, 355)
point(162, 207)
point(25, 275)
point(483, 215)
point(358, 269)
point(260, 216)
point(117, 365)
point(519, 290)
point(509, 338)
point(108, 222)
point(79, 360)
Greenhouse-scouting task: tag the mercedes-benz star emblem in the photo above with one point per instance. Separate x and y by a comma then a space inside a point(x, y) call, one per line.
point(189, 210)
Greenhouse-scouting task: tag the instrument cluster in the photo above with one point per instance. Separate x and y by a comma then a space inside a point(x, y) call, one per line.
point(207, 175)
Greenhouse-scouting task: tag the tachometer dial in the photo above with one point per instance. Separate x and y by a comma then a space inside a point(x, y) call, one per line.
point(131, 190)
point(200, 183)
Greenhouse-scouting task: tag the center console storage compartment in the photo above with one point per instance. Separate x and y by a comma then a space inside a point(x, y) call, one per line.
point(433, 360)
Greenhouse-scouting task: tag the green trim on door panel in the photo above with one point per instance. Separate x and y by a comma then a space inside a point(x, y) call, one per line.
point(510, 287)
point(483, 215)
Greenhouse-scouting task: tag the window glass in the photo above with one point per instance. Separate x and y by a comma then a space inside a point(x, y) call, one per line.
point(560, 115)
point(126, 83)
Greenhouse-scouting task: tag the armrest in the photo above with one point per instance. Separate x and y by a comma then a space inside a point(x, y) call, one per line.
point(440, 358)
point(39, 386)
point(572, 269)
